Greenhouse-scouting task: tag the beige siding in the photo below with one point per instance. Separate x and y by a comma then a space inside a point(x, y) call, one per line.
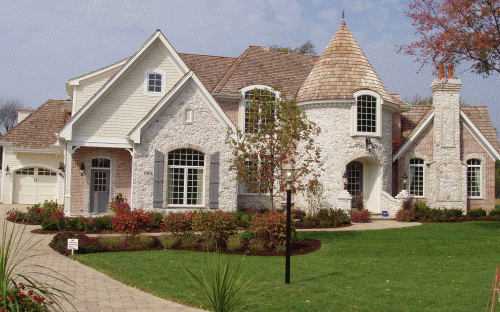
point(89, 87)
point(22, 160)
point(126, 104)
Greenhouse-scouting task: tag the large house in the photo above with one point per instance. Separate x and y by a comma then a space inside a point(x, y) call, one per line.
point(152, 127)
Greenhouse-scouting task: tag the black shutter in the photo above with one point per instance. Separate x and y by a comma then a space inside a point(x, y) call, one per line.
point(158, 180)
point(214, 181)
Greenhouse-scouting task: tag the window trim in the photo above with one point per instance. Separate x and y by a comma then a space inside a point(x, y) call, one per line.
point(184, 204)
point(480, 166)
point(243, 103)
point(378, 114)
point(422, 165)
point(163, 82)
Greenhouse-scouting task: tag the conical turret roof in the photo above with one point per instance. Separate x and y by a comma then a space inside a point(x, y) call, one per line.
point(342, 69)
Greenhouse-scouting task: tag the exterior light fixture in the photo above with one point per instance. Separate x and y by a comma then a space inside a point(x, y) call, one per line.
point(62, 167)
point(405, 181)
point(369, 144)
point(289, 176)
point(82, 168)
point(7, 170)
point(344, 180)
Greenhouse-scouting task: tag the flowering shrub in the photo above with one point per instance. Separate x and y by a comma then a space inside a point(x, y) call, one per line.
point(269, 226)
point(178, 223)
point(218, 225)
point(59, 222)
point(406, 216)
point(131, 222)
point(15, 215)
point(157, 219)
point(361, 216)
point(118, 207)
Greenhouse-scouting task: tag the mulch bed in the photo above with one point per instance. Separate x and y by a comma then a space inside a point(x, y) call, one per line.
point(301, 247)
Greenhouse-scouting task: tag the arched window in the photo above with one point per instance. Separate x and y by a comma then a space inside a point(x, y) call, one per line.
point(185, 177)
point(417, 176)
point(474, 178)
point(265, 115)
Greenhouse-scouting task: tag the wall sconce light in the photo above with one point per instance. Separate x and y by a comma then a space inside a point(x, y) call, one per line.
point(344, 179)
point(369, 144)
point(62, 167)
point(405, 181)
point(82, 168)
point(7, 170)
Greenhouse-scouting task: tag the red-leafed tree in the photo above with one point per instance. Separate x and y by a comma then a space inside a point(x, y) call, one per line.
point(452, 31)
point(276, 132)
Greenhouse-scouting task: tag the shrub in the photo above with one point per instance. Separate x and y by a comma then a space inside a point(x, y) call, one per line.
point(280, 247)
point(178, 223)
point(15, 215)
point(118, 207)
point(141, 241)
point(476, 213)
point(256, 245)
point(270, 226)
point(421, 210)
point(361, 216)
point(234, 242)
point(35, 214)
point(310, 221)
point(404, 215)
point(168, 241)
point(103, 222)
point(112, 242)
point(189, 240)
point(209, 243)
point(218, 225)
point(248, 234)
point(495, 213)
point(156, 219)
point(50, 224)
point(85, 244)
point(131, 222)
point(456, 212)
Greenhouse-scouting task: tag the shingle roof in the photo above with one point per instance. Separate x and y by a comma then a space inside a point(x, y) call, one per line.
point(209, 69)
point(38, 130)
point(342, 69)
point(259, 66)
point(411, 119)
point(480, 117)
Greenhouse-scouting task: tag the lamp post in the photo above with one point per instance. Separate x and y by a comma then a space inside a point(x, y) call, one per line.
point(405, 181)
point(289, 170)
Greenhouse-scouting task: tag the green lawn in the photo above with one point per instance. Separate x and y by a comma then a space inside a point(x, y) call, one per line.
point(433, 267)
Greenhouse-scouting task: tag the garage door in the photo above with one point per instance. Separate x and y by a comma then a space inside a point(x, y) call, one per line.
point(34, 185)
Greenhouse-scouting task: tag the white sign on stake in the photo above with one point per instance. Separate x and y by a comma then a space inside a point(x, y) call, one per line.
point(72, 244)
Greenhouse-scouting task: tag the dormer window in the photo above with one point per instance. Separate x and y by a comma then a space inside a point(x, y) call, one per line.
point(367, 114)
point(155, 82)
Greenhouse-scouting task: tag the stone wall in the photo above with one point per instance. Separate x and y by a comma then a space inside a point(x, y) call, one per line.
point(170, 131)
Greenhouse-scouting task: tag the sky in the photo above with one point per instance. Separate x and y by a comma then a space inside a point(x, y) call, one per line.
point(45, 43)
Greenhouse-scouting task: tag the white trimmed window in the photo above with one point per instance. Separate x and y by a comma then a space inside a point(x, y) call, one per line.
point(474, 178)
point(367, 114)
point(155, 82)
point(185, 177)
point(248, 95)
point(417, 177)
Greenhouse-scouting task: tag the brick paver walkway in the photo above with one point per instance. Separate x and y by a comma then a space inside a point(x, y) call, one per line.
point(93, 290)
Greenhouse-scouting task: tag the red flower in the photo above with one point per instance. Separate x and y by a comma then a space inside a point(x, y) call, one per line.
point(21, 295)
point(12, 298)
point(3, 309)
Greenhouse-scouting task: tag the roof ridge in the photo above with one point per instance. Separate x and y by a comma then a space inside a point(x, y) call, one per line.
point(230, 70)
point(218, 56)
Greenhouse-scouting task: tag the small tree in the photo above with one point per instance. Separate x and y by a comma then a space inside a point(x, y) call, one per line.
point(276, 132)
point(8, 112)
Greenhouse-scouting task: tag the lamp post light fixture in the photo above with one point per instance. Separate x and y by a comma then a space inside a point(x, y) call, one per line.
point(82, 168)
point(369, 144)
point(345, 180)
point(289, 176)
point(405, 181)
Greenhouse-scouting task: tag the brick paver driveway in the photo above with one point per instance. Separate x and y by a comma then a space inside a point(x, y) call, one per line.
point(94, 291)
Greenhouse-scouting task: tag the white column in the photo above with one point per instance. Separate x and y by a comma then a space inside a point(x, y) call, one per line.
point(67, 184)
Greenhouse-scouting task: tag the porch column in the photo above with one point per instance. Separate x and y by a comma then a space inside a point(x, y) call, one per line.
point(67, 184)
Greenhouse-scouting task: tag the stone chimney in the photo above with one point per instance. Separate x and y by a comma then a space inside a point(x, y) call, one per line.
point(449, 189)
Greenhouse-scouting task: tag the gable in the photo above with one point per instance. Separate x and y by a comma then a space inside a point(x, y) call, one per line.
point(123, 101)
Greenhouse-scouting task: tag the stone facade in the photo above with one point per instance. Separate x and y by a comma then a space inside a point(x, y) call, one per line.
point(170, 131)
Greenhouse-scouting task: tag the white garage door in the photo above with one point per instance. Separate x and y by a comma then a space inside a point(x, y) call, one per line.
point(34, 185)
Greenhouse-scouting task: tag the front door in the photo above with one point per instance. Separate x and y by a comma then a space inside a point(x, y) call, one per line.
point(355, 183)
point(99, 191)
